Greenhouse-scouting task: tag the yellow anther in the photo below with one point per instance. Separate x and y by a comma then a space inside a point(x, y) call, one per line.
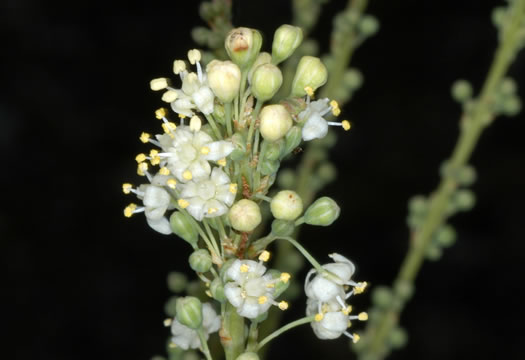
point(346, 125)
point(285, 277)
point(318, 317)
point(155, 160)
point(153, 152)
point(362, 316)
point(262, 299)
point(144, 137)
point(356, 338)
point(168, 127)
point(283, 305)
point(349, 324)
point(347, 310)
point(243, 294)
point(195, 123)
point(360, 287)
point(179, 66)
point(167, 322)
point(183, 203)
point(233, 188)
point(194, 56)
point(205, 150)
point(142, 168)
point(164, 171)
point(172, 183)
point(309, 91)
point(187, 175)
point(334, 104)
point(212, 210)
point(140, 158)
point(128, 211)
point(336, 112)
point(244, 268)
point(158, 84)
point(270, 285)
point(265, 256)
point(208, 292)
point(222, 162)
point(172, 345)
point(160, 113)
point(126, 188)
point(169, 96)
point(182, 116)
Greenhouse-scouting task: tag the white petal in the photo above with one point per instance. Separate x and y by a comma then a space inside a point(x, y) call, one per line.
point(189, 190)
point(196, 208)
point(234, 271)
point(323, 289)
point(182, 106)
point(219, 177)
point(219, 150)
point(220, 208)
point(233, 294)
point(249, 310)
point(200, 138)
point(200, 169)
point(225, 195)
point(342, 270)
point(203, 98)
point(315, 128)
point(155, 213)
point(161, 225)
point(210, 320)
point(155, 196)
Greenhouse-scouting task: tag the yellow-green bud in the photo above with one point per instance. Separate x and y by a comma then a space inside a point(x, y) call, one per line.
point(177, 281)
point(282, 227)
point(310, 72)
point(243, 45)
point(275, 122)
point(244, 215)
point(182, 227)
point(248, 356)
point(461, 90)
point(224, 78)
point(269, 167)
point(273, 150)
point(293, 139)
point(189, 311)
point(263, 58)
point(217, 290)
point(286, 205)
point(266, 81)
point(286, 39)
point(200, 260)
point(323, 212)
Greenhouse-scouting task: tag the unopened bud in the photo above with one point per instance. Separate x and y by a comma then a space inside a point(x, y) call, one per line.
point(323, 212)
point(269, 167)
point(200, 260)
point(286, 40)
point(182, 227)
point(286, 205)
point(282, 227)
point(266, 81)
point(273, 150)
point(310, 72)
point(217, 290)
point(461, 90)
point(248, 356)
point(275, 122)
point(224, 78)
point(189, 311)
point(245, 215)
point(263, 58)
point(243, 45)
point(293, 139)
point(177, 281)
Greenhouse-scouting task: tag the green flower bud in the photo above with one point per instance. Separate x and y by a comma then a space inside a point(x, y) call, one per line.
point(217, 290)
point(310, 72)
point(323, 212)
point(189, 311)
point(200, 35)
point(200, 260)
point(382, 296)
point(266, 81)
point(224, 78)
point(170, 307)
point(243, 45)
point(418, 205)
point(225, 268)
point(327, 172)
point(464, 200)
point(269, 167)
point(511, 106)
point(499, 15)
point(177, 281)
point(275, 121)
point(466, 175)
point(286, 205)
point(292, 140)
point(398, 338)
point(248, 356)
point(182, 227)
point(445, 236)
point(286, 179)
point(245, 215)
point(404, 289)
point(280, 286)
point(461, 90)
point(508, 86)
point(240, 147)
point(352, 79)
point(282, 227)
point(368, 25)
point(433, 252)
point(263, 58)
point(273, 150)
point(286, 39)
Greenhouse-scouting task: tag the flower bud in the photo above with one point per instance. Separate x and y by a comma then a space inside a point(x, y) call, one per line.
point(310, 72)
point(266, 81)
point(182, 227)
point(244, 215)
point(286, 205)
point(323, 212)
point(275, 122)
point(200, 260)
point(286, 178)
point(224, 78)
point(177, 281)
point(243, 45)
point(286, 39)
point(269, 167)
point(263, 58)
point(461, 91)
point(248, 356)
point(445, 236)
point(189, 311)
point(282, 227)
point(293, 139)
point(273, 150)
point(217, 290)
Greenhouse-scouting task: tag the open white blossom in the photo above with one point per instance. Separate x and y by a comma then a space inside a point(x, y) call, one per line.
point(315, 126)
point(250, 290)
point(187, 338)
point(208, 197)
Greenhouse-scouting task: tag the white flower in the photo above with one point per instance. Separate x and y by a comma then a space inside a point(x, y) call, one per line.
point(187, 338)
point(315, 126)
point(250, 290)
point(208, 197)
point(187, 153)
point(156, 201)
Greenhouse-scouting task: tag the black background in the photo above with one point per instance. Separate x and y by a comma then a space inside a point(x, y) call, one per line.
point(83, 282)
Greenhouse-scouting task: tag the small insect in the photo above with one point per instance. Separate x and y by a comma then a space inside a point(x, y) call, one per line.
point(297, 150)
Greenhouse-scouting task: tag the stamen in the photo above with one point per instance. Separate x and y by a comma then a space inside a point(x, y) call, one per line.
point(309, 91)
point(144, 137)
point(233, 188)
point(195, 123)
point(179, 66)
point(265, 256)
point(362, 316)
point(346, 125)
point(347, 310)
point(283, 305)
point(285, 277)
point(183, 203)
point(167, 322)
point(154, 157)
point(335, 108)
point(360, 287)
point(140, 158)
point(212, 210)
point(160, 113)
point(262, 299)
point(158, 84)
point(126, 188)
point(169, 96)
point(194, 55)
point(205, 150)
point(132, 209)
point(208, 292)
point(222, 162)
point(168, 127)
point(355, 338)
point(340, 301)
point(318, 317)
point(142, 168)
point(187, 175)
point(164, 171)
point(244, 268)
point(172, 183)
point(172, 345)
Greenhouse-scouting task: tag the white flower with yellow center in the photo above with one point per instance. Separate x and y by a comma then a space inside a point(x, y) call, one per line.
point(188, 152)
point(250, 290)
point(195, 91)
point(208, 197)
point(315, 126)
point(187, 338)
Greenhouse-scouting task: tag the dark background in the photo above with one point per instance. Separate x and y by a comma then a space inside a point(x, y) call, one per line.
point(83, 282)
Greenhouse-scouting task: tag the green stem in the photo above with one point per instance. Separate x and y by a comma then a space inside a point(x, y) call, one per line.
point(253, 333)
point(204, 344)
point(214, 127)
point(210, 236)
point(305, 253)
point(232, 332)
point(287, 327)
point(229, 120)
point(252, 124)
